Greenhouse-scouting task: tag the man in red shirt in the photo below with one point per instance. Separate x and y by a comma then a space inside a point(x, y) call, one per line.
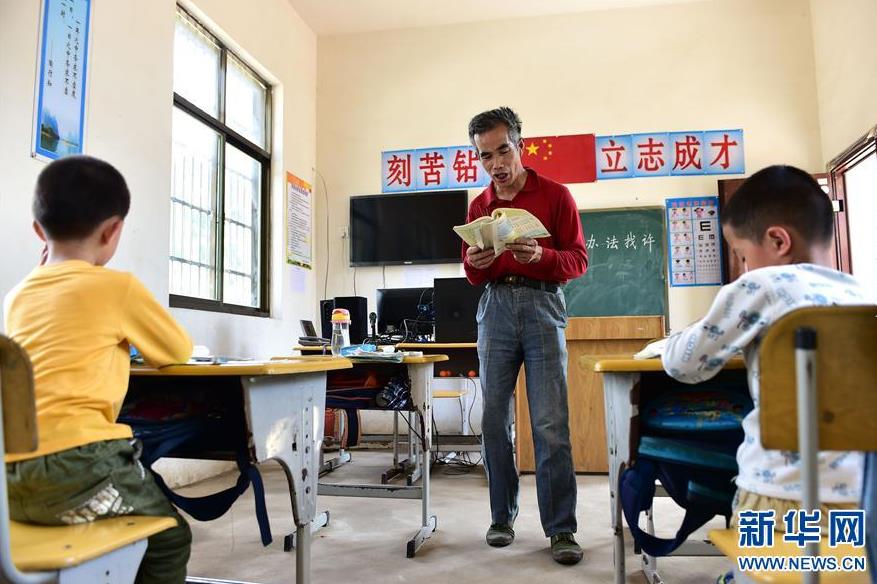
point(521, 319)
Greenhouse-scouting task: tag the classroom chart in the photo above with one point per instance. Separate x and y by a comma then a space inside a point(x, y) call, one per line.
point(694, 241)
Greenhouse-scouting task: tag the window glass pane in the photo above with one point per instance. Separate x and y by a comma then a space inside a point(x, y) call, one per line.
point(245, 102)
point(193, 203)
point(196, 65)
point(243, 188)
point(860, 186)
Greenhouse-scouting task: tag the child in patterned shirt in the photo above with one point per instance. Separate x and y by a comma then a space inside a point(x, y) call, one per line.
point(780, 224)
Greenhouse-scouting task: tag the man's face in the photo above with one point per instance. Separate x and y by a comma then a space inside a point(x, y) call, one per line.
point(500, 157)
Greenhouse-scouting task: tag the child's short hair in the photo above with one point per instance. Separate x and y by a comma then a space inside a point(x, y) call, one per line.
point(780, 195)
point(75, 194)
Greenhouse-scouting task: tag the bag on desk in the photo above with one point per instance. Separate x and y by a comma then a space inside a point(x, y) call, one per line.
point(692, 452)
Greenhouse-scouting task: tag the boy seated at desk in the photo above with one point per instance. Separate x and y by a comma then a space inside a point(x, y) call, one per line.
point(780, 224)
point(75, 319)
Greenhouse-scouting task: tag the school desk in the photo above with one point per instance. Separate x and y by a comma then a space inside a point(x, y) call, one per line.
point(625, 382)
point(284, 404)
point(420, 372)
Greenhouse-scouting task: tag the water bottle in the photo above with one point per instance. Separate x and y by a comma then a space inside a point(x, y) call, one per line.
point(340, 330)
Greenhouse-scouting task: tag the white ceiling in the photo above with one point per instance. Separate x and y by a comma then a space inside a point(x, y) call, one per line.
point(333, 17)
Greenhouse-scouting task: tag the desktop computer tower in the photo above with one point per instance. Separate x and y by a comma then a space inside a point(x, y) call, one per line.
point(358, 307)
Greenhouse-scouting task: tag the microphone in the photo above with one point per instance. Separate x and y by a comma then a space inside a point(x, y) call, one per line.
point(373, 319)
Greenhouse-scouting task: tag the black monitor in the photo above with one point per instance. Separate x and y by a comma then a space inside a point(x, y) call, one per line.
point(405, 309)
point(406, 228)
point(456, 302)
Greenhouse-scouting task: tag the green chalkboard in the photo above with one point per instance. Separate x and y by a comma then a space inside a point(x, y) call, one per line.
point(627, 264)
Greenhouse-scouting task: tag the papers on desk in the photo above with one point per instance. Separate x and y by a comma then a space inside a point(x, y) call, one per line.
point(653, 350)
point(368, 353)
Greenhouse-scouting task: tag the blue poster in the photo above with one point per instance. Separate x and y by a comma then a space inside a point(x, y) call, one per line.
point(60, 115)
point(723, 152)
point(614, 157)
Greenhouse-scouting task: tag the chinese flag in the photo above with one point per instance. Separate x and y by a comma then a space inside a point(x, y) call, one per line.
point(565, 159)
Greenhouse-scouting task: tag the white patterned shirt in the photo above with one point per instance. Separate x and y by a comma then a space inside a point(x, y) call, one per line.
point(737, 321)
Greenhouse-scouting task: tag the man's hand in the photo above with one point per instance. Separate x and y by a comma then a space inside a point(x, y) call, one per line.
point(479, 258)
point(526, 251)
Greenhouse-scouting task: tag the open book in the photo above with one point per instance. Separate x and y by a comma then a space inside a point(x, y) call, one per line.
point(501, 227)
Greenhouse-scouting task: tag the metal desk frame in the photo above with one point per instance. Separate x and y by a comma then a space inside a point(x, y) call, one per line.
point(285, 405)
point(420, 371)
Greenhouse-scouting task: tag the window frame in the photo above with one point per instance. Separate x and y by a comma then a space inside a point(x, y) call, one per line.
point(228, 136)
point(857, 152)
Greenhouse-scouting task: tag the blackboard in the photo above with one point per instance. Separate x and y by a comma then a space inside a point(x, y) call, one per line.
point(626, 273)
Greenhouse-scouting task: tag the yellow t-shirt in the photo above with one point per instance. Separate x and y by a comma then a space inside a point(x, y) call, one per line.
point(75, 320)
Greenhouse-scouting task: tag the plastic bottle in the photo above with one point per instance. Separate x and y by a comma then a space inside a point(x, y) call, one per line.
point(340, 330)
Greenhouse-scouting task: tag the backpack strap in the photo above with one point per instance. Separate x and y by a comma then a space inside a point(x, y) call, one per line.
point(160, 439)
point(637, 491)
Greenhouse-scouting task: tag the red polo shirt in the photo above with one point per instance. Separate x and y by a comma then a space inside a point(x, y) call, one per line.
point(564, 256)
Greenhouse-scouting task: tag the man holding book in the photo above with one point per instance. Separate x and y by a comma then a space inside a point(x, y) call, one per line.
point(521, 320)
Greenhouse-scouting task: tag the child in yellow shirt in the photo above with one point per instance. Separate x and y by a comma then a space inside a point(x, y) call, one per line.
point(75, 319)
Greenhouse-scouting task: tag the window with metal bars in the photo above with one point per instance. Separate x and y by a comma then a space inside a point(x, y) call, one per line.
point(220, 177)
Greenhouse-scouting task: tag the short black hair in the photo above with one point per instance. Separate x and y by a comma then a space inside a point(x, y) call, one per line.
point(486, 121)
point(75, 194)
point(780, 195)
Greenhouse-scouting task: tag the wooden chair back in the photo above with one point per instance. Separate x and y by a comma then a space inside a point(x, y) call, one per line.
point(846, 374)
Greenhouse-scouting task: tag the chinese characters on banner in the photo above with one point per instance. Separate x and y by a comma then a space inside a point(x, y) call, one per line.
point(565, 159)
point(577, 158)
point(298, 221)
point(670, 154)
point(694, 239)
point(431, 169)
point(59, 119)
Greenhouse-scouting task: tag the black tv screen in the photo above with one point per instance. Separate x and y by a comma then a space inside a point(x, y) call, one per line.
point(406, 228)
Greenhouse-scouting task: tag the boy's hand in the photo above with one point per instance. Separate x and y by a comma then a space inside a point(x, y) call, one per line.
point(479, 258)
point(44, 255)
point(526, 251)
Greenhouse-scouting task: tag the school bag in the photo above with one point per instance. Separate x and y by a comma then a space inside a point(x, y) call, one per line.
point(689, 443)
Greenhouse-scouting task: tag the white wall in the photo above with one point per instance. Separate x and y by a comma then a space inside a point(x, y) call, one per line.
point(130, 89)
point(846, 70)
point(704, 65)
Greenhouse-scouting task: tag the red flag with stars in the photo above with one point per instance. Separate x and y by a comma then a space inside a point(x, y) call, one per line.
point(565, 159)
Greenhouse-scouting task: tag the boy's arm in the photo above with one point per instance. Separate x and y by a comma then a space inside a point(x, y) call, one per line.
point(149, 326)
point(739, 313)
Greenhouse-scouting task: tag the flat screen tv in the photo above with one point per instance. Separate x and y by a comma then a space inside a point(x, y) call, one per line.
point(406, 228)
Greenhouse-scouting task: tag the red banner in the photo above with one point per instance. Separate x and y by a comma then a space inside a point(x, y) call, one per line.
point(565, 159)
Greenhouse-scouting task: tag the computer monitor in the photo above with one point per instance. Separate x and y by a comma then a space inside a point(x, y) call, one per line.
point(405, 309)
point(456, 302)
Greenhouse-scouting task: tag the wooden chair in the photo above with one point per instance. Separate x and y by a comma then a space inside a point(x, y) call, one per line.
point(817, 392)
point(105, 551)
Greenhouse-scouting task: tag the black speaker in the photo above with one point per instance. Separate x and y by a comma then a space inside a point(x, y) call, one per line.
point(358, 307)
point(456, 302)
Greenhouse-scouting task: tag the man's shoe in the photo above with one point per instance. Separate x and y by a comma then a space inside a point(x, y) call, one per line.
point(565, 550)
point(500, 535)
